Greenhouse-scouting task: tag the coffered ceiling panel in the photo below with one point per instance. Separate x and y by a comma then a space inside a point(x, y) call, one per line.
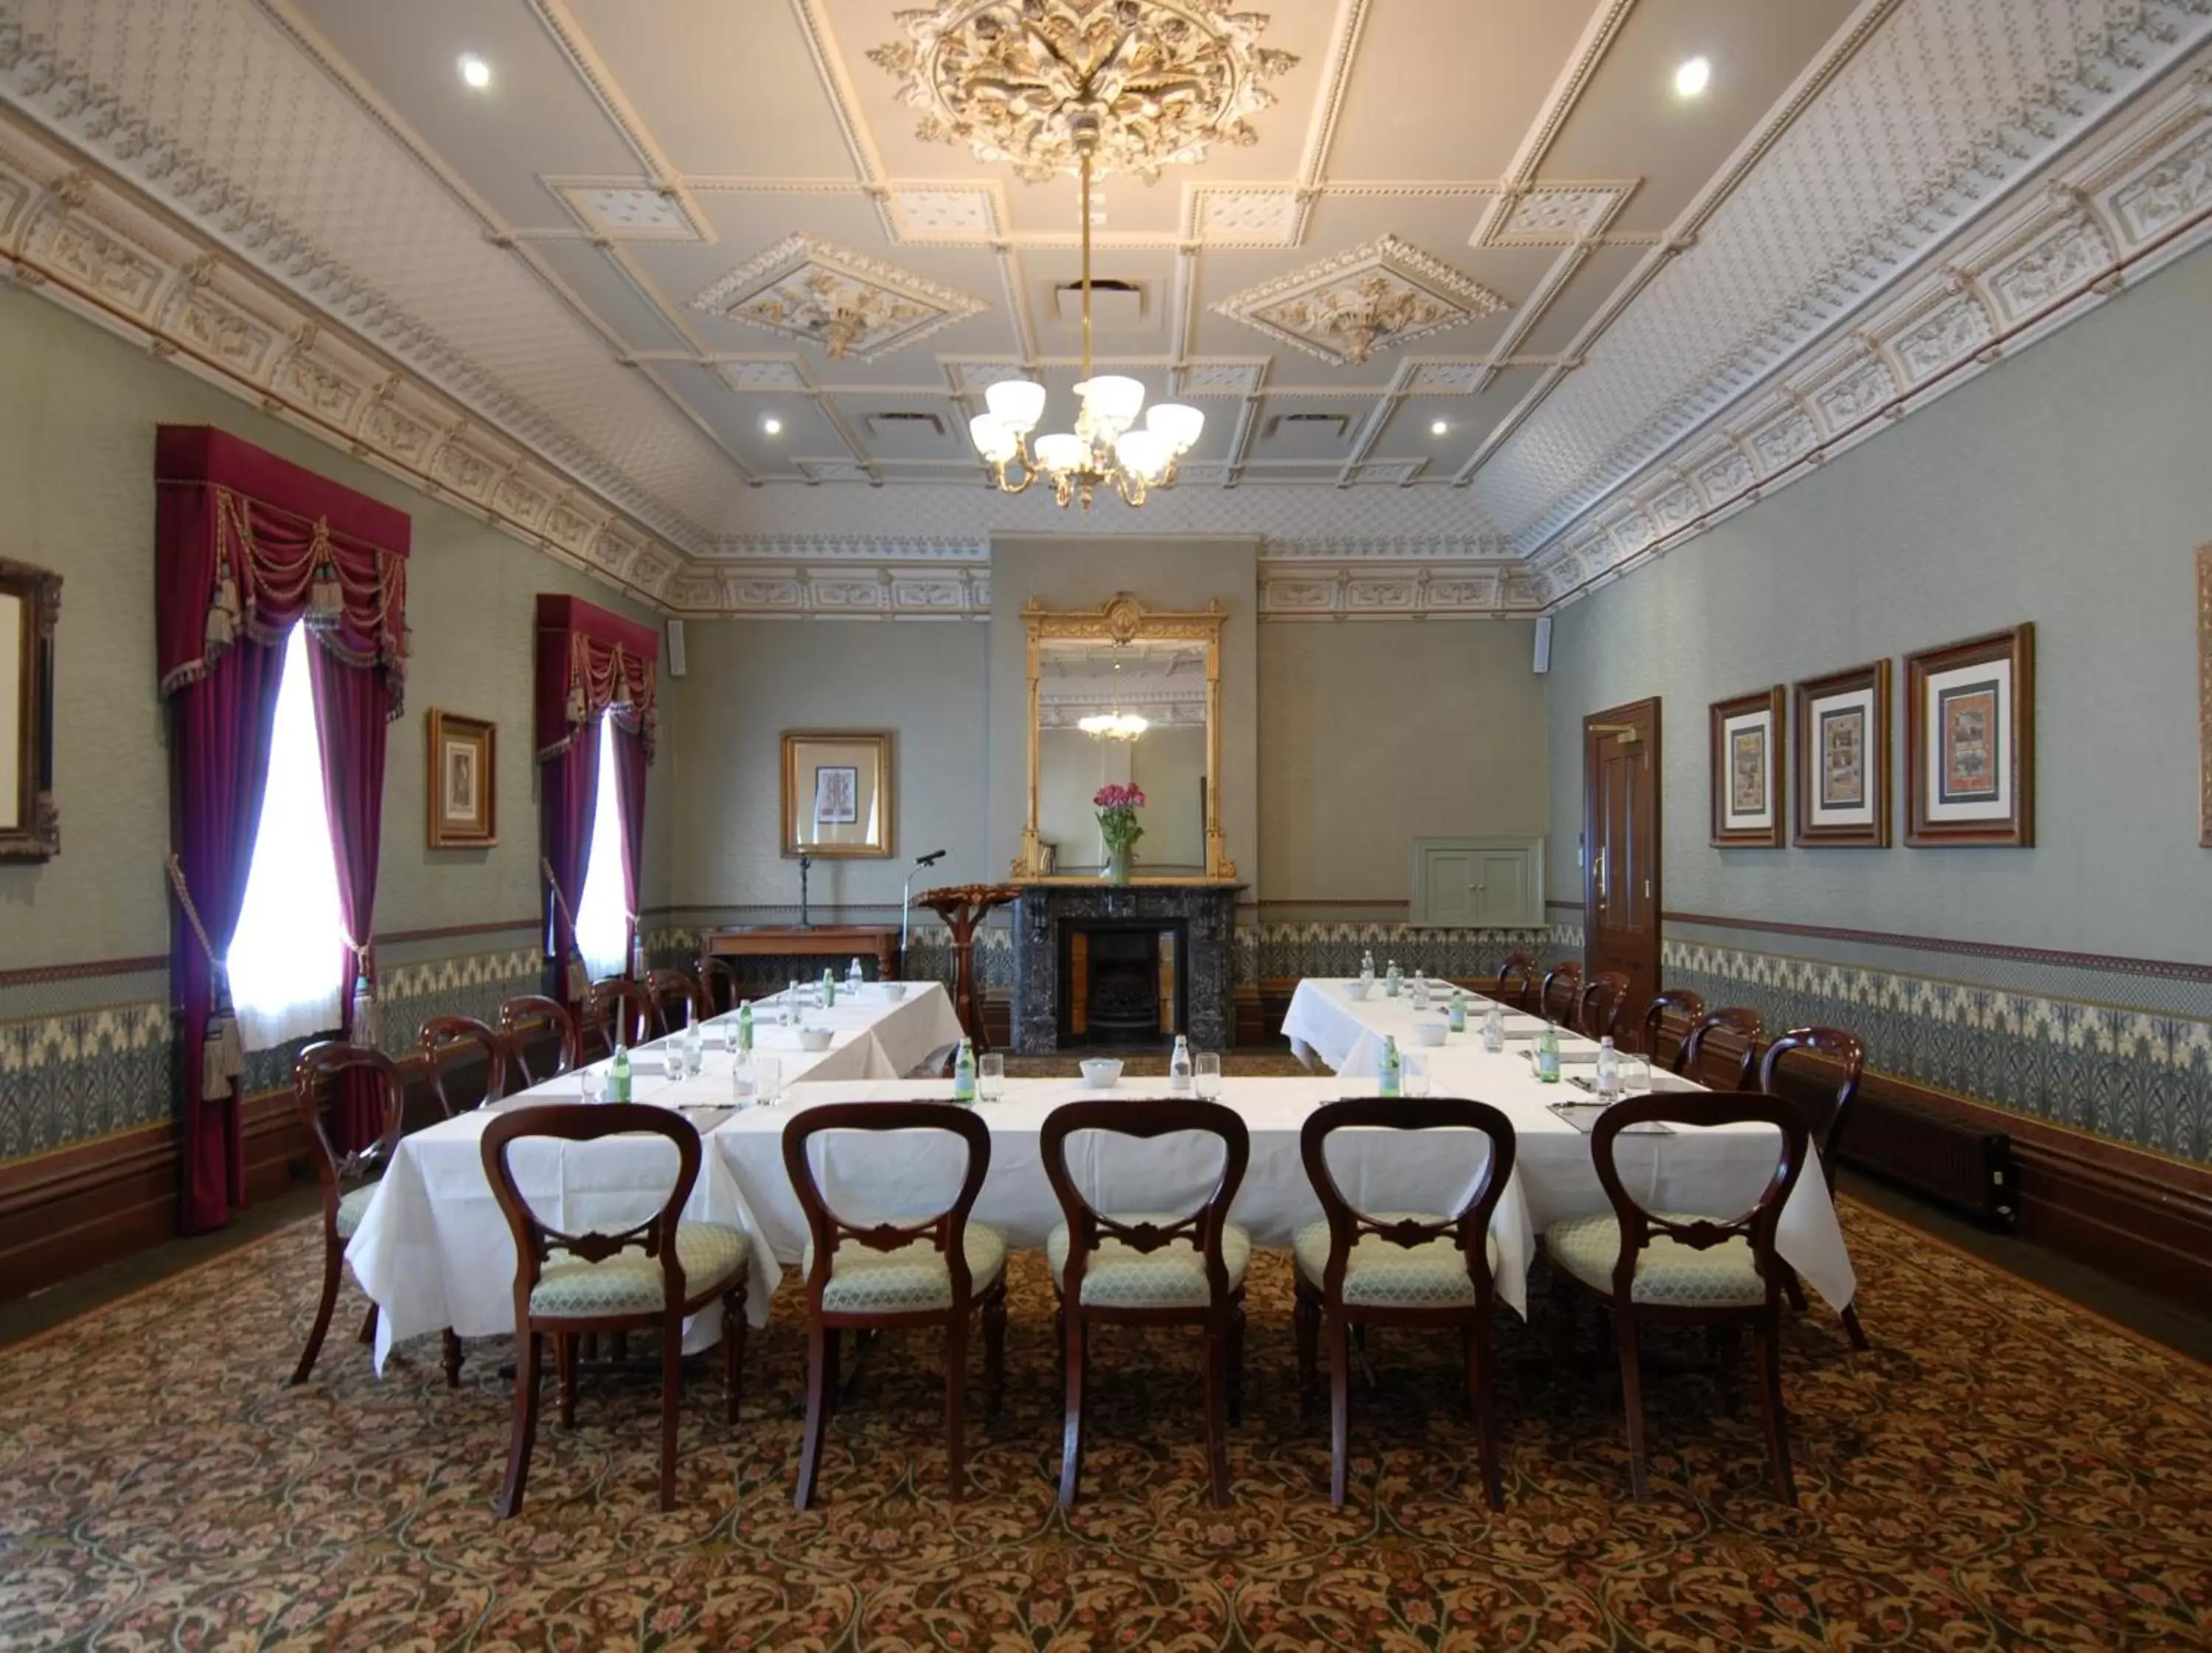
point(1630, 262)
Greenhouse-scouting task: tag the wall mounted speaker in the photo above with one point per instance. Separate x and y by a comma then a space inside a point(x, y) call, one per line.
point(676, 647)
point(1542, 662)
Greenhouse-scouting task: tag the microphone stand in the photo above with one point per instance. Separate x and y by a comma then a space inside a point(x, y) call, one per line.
point(906, 900)
point(805, 922)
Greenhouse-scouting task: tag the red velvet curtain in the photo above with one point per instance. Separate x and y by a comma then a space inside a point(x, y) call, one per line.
point(352, 711)
point(248, 545)
point(589, 661)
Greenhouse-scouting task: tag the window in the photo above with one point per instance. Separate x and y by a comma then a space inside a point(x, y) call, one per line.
point(288, 960)
point(602, 911)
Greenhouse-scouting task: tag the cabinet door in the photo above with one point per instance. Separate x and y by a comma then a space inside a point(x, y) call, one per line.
point(1451, 876)
point(1479, 884)
point(1502, 888)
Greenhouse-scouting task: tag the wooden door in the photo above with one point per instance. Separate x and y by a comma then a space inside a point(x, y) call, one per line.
point(1620, 861)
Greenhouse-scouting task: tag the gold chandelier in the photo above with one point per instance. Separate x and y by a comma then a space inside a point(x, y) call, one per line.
point(1095, 87)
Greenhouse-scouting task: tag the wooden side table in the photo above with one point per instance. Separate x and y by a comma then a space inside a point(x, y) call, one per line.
point(963, 908)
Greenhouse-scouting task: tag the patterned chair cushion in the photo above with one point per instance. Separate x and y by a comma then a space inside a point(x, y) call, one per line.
point(352, 1207)
point(628, 1283)
point(1669, 1272)
point(1117, 1276)
point(1381, 1275)
point(911, 1278)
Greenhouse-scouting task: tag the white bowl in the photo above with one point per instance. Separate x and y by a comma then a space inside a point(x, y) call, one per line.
point(1429, 1033)
point(1357, 988)
point(814, 1039)
point(893, 991)
point(1101, 1073)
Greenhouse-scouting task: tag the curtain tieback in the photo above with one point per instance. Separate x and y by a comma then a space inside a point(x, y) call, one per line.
point(222, 1053)
point(368, 1006)
point(577, 977)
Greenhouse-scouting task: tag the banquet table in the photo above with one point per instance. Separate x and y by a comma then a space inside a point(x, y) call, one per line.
point(1717, 1172)
point(434, 1250)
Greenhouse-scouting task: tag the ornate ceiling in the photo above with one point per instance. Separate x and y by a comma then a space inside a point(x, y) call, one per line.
point(1481, 313)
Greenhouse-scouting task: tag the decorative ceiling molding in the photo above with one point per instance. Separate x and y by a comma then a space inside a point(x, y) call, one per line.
point(92, 245)
point(1382, 293)
point(845, 302)
point(2106, 218)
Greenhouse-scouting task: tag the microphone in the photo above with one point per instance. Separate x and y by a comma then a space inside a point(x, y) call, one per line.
point(930, 859)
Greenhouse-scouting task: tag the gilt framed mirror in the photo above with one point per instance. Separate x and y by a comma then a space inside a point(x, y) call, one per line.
point(30, 604)
point(1124, 701)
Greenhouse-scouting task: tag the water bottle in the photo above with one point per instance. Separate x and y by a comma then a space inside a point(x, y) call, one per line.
point(1493, 1029)
point(1420, 989)
point(1391, 979)
point(746, 1028)
point(1179, 1070)
point(1608, 1072)
point(1547, 1055)
point(828, 989)
point(1456, 1011)
point(963, 1073)
point(1367, 967)
point(1389, 1071)
point(618, 1071)
point(853, 978)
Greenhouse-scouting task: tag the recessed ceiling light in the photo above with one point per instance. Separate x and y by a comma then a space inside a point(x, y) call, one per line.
point(475, 70)
point(772, 425)
point(1690, 79)
point(1438, 428)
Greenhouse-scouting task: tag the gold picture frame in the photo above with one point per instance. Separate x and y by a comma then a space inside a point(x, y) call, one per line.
point(838, 794)
point(30, 606)
point(462, 793)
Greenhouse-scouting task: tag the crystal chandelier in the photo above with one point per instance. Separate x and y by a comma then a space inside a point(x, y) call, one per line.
point(1094, 86)
point(1116, 725)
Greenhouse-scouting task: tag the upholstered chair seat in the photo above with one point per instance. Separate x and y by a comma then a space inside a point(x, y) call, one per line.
point(913, 1276)
point(629, 1282)
point(1119, 1276)
point(1669, 1272)
point(1381, 1275)
point(353, 1207)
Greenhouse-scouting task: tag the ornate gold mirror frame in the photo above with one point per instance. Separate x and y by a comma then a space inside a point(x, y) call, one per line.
point(1126, 620)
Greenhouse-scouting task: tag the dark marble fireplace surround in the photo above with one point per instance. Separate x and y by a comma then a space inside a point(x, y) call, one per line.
point(1207, 913)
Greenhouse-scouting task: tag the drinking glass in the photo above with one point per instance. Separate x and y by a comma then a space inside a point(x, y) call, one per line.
point(1206, 1075)
point(768, 1074)
point(592, 1083)
point(991, 1077)
point(744, 1079)
point(1636, 1075)
point(1414, 1076)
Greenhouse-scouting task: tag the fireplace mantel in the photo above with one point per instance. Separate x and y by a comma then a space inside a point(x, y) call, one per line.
point(1206, 908)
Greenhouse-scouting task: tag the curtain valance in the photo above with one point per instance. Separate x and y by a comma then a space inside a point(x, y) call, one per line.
point(252, 544)
point(589, 661)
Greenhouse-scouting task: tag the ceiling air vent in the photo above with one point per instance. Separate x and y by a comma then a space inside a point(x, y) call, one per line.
point(907, 434)
point(906, 424)
point(1114, 304)
point(1291, 436)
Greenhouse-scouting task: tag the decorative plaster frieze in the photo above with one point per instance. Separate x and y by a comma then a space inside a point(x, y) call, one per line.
point(1382, 295)
point(849, 303)
point(2048, 255)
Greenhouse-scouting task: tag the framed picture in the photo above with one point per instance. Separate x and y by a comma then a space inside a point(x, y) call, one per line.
point(30, 604)
point(1969, 741)
point(837, 793)
point(1747, 759)
point(463, 782)
point(1842, 768)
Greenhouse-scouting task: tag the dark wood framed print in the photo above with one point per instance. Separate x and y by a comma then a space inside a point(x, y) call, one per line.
point(1969, 741)
point(837, 793)
point(1747, 741)
point(30, 606)
point(1842, 758)
point(463, 782)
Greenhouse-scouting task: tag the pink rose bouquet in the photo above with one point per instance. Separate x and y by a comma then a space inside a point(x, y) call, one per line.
point(1117, 809)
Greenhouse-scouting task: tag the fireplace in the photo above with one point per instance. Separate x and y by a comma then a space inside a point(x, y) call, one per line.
point(1128, 965)
point(1121, 981)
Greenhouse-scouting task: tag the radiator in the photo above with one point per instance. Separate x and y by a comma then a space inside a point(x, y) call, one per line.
point(1964, 1166)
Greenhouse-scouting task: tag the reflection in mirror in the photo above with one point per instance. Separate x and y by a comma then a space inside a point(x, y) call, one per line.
point(1113, 713)
point(30, 600)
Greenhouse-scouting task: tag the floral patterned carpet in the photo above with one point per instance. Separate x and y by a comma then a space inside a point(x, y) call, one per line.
point(2003, 1471)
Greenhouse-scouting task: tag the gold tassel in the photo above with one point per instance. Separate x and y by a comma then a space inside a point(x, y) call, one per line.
point(222, 1054)
point(622, 686)
point(368, 1011)
point(223, 617)
point(578, 987)
point(580, 711)
point(326, 600)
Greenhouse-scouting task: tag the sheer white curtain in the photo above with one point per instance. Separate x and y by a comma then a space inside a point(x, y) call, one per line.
point(287, 963)
point(602, 912)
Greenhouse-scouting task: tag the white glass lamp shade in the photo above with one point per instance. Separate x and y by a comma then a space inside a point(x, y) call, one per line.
point(1062, 451)
point(1114, 401)
point(1017, 403)
point(993, 439)
point(1097, 724)
point(1177, 422)
point(1145, 454)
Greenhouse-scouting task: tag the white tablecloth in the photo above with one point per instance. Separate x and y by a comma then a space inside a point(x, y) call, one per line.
point(1715, 1173)
point(434, 1250)
point(881, 1176)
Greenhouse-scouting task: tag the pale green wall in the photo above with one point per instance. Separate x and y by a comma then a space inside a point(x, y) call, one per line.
point(2068, 486)
point(77, 417)
point(1372, 734)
